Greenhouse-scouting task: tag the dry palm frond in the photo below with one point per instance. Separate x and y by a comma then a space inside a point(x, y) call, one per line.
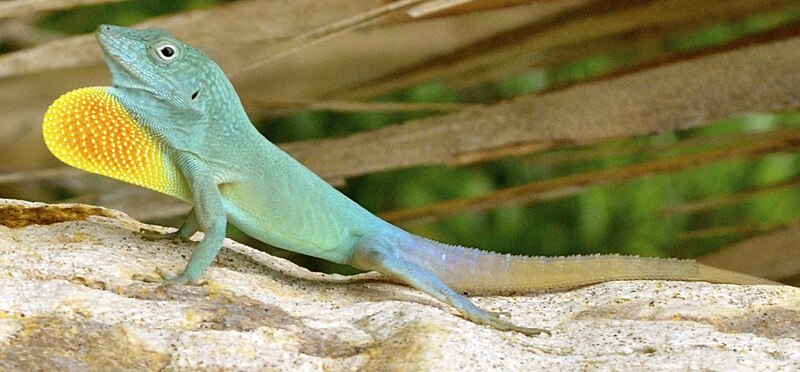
point(17, 8)
point(778, 141)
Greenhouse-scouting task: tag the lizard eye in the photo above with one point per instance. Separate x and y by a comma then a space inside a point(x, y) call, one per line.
point(165, 51)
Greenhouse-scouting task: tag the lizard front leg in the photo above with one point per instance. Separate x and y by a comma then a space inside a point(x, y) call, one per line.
point(189, 227)
point(210, 217)
point(379, 253)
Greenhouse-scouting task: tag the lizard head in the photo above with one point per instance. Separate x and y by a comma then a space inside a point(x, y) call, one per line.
point(158, 96)
point(155, 64)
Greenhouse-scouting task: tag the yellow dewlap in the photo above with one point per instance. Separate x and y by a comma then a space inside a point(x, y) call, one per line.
point(89, 129)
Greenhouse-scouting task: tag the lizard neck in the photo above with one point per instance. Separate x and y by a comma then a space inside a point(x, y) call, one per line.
point(213, 118)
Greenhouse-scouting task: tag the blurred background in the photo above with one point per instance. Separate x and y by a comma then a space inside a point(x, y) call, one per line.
point(656, 128)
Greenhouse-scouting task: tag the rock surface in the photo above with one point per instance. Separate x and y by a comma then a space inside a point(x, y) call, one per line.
point(67, 302)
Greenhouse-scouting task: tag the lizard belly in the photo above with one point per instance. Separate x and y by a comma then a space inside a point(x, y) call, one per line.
point(282, 222)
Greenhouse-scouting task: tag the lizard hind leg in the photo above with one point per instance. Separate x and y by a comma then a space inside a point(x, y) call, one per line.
point(381, 254)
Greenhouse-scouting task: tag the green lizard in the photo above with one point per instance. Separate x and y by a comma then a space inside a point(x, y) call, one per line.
point(172, 122)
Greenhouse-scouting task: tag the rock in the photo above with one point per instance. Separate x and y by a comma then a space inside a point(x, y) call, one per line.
point(67, 302)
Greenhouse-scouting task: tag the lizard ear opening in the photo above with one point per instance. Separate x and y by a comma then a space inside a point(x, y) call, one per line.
point(194, 95)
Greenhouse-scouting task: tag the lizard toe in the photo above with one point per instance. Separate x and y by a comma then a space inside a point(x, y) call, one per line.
point(155, 235)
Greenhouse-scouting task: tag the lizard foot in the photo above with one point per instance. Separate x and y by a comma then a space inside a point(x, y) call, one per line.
point(154, 235)
point(492, 318)
point(166, 278)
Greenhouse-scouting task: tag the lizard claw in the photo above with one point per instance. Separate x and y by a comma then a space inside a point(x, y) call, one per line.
point(162, 276)
point(498, 314)
point(154, 235)
point(165, 278)
point(492, 318)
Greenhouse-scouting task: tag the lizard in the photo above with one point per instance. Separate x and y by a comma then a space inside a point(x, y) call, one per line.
point(173, 122)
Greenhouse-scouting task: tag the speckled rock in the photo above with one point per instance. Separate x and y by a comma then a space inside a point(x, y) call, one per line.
point(68, 302)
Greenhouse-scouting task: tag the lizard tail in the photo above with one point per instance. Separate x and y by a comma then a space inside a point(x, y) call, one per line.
point(474, 271)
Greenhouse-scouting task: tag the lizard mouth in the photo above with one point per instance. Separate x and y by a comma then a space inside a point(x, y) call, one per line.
point(118, 49)
point(106, 37)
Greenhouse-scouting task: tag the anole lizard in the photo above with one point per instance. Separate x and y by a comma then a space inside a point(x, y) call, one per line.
point(172, 122)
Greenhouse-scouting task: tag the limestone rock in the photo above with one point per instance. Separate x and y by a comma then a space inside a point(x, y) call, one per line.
point(67, 302)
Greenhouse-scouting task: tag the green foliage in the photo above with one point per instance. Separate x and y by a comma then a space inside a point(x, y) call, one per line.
point(725, 32)
point(86, 19)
